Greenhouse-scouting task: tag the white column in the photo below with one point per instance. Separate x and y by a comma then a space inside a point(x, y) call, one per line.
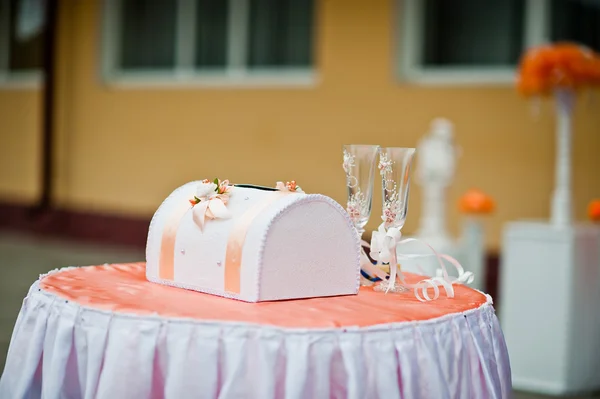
point(562, 213)
point(433, 214)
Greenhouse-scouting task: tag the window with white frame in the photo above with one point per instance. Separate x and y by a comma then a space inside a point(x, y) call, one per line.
point(462, 41)
point(211, 41)
point(20, 52)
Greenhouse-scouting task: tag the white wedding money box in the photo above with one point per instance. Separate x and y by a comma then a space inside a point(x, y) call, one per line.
point(253, 243)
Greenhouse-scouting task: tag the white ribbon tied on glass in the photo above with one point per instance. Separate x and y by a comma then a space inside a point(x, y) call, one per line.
point(383, 249)
point(384, 244)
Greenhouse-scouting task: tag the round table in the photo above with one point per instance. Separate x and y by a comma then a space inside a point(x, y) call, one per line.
point(106, 332)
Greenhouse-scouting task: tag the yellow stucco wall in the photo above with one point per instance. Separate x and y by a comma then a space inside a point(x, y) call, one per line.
point(19, 143)
point(123, 149)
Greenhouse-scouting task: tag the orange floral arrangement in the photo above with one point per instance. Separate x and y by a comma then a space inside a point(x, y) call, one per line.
point(561, 65)
point(476, 202)
point(594, 210)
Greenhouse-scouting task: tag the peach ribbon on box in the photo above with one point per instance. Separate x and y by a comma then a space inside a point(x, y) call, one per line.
point(237, 237)
point(235, 243)
point(166, 265)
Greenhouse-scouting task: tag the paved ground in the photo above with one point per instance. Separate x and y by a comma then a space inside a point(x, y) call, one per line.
point(23, 258)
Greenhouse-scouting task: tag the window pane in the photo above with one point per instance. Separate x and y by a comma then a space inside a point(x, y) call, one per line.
point(24, 54)
point(281, 33)
point(211, 33)
point(148, 34)
point(576, 20)
point(473, 32)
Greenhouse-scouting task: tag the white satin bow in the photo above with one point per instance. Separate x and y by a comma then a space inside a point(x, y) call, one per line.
point(384, 244)
point(383, 249)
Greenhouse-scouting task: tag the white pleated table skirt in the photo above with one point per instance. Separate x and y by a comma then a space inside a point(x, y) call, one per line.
point(63, 349)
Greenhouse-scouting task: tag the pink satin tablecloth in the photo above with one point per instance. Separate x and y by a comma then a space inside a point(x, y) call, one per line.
point(106, 332)
point(124, 288)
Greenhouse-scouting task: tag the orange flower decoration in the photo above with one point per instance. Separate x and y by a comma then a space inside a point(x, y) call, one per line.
point(476, 202)
point(291, 185)
point(561, 65)
point(594, 210)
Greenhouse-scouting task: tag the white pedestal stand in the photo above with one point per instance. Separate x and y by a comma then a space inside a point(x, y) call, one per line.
point(550, 288)
point(472, 247)
point(549, 306)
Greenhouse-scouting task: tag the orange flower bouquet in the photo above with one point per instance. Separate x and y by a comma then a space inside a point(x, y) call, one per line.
point(561, 66)
point(560, 70)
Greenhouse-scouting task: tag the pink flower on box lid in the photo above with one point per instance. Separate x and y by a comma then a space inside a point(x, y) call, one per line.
point(210, 201)
point(290, 186)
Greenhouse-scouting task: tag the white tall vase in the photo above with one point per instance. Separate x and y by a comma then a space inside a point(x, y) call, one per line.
point(562, 212)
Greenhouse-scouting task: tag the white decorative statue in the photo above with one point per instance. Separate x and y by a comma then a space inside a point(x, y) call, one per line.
point(437, 155)
point(436, 165)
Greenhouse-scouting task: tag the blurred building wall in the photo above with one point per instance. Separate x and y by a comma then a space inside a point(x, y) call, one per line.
point(19, 143)
point(123, 150)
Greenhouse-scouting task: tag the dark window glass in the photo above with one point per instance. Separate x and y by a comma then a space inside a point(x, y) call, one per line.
point(24, 53)
point(473, 32)
point(148, 34)
point(211, 33)
point(281, 33)
point(576, 21)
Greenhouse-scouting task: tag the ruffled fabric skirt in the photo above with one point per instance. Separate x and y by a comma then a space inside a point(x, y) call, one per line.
point(60, 349)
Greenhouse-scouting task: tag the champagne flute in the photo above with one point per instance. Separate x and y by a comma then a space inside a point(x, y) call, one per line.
point(359, 166)
point(394, 168)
